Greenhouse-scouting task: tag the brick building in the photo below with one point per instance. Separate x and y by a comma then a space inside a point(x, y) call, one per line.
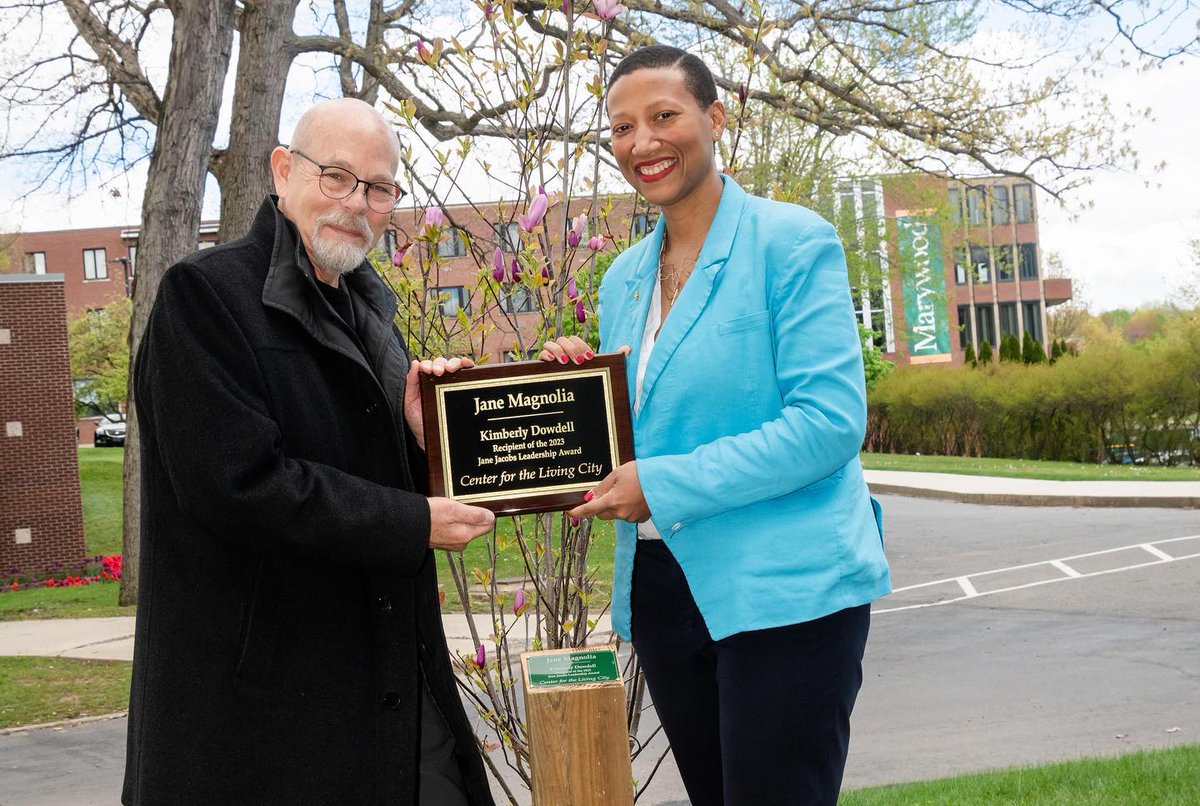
point(41, 514)
point(938, 264)
point(941, 264)
point(96, 264)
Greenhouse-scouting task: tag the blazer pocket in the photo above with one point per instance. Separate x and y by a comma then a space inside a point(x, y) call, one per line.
point(747, 322)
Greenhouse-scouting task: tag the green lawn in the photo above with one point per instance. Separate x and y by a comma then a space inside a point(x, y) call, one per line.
point(1027, 468)
point(101, 477)
point(37, 690)
point(1162, 777)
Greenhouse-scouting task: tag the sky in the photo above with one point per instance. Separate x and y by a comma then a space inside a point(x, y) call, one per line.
point(1123, 238)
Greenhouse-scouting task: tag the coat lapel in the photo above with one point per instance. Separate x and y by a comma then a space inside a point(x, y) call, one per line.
point(291, 288)
point(694, 297)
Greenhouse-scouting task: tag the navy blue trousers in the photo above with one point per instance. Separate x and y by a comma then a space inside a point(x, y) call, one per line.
point(755, 719)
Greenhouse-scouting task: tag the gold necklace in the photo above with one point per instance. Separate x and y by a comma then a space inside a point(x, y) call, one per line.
point(673, 271)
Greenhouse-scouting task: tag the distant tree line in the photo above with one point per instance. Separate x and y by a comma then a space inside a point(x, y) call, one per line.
point(1113, 401)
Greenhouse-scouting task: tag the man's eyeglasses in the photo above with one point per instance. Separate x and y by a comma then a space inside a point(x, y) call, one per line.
point(338, 183)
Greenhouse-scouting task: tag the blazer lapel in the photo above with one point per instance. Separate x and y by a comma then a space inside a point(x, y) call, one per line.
point(694, 297)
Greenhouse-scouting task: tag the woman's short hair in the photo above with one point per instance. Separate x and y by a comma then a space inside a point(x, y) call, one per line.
point(697, 77)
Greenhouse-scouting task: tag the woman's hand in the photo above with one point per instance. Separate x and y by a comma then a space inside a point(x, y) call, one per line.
point(566, 350)
point(618, 495)
point(412, 389)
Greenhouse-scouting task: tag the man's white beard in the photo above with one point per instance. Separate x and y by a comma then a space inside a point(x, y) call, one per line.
point(336, 256)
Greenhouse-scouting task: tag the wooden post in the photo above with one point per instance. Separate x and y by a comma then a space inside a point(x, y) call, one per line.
point(578, 737)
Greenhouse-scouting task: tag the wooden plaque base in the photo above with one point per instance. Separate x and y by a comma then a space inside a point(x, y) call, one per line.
point(578, 737)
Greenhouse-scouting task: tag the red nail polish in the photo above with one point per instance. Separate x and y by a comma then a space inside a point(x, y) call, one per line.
point(589, 496)
point(578, 359)
point(562, 359)
point(589, 354)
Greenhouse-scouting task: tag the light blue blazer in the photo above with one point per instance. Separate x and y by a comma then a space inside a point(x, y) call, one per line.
point(752, 416)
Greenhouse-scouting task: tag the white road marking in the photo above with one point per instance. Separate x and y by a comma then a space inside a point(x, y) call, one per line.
point(1066, 569)
point(971, 592)
point(1156, 551)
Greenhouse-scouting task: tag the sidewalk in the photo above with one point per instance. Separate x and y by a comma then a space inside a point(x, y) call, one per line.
point(112, 638)
point(1035, 492)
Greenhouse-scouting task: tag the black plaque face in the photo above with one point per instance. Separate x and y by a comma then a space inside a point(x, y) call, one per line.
point(526, 437)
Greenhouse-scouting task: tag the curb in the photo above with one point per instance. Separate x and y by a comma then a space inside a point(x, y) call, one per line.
point(1015, 500)
point(64, 723)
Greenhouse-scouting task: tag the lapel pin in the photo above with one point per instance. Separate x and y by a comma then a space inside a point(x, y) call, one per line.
point(637, 295)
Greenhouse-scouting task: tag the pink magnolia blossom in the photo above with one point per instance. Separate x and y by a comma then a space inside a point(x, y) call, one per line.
point(498, 265)
point(514, 271)
point(580, 312)
point(566, 7)
point(519, 602)
point(575, 522)
point(481, 656)
point(608, 9)
point(434, 218)
point(575, 233)
point(423, 52)
point(742, 94)
point(596, 243)
point(572, 290)
point(545, 273)
point(537, 210)
point(400, 254)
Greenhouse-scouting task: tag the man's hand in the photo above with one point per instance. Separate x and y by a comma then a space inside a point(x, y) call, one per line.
point(618, 495)
point(412, 389)
point(453, 525)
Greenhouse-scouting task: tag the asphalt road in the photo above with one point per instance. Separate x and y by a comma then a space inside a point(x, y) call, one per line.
point(1008, 659)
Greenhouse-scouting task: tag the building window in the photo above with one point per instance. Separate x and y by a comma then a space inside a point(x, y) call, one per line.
point(955, 205)
point(985, 325)
point(95, 264)
point(1023, 197)
point(976, 207)
point(964, 326)
point(519, 299)
point(451, 299)
point(999, 204)
point(1008, 319)
point(1027, 258)
point(132, 260)
point(981, 264)
point(508, 236)
point(1032, 311)
point(962, 270)
point(35, 262)
point(454, 246)
point(205, 245)
point(1004, 262)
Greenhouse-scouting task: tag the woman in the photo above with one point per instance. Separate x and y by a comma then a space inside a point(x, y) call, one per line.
point(748, 548)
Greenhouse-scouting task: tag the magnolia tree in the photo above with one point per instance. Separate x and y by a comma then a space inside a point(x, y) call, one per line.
point(566, 233)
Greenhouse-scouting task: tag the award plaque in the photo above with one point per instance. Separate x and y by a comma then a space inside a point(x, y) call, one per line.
point(532, 436)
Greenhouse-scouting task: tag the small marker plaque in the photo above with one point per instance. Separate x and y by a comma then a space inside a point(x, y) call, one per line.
point(572, 668)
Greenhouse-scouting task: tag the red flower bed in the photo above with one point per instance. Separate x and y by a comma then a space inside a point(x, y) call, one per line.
point(97, 569)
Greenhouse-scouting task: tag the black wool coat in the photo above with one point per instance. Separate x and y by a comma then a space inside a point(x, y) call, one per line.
point(287, 598)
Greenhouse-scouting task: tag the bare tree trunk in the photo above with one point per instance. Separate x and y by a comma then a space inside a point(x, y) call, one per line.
point(201, 41)
point(264, 56)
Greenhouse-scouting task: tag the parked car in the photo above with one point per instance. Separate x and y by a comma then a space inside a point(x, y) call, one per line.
point(110, 431)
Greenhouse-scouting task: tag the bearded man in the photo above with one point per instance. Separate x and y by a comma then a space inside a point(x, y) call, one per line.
point(289, 645)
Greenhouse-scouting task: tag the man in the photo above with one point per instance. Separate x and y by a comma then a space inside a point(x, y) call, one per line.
point(289, 646)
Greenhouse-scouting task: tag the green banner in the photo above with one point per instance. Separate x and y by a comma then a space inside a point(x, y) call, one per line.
point(572, 668)
point(926, 318)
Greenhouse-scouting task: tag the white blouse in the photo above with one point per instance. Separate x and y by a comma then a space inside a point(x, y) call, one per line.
point(647, 530)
